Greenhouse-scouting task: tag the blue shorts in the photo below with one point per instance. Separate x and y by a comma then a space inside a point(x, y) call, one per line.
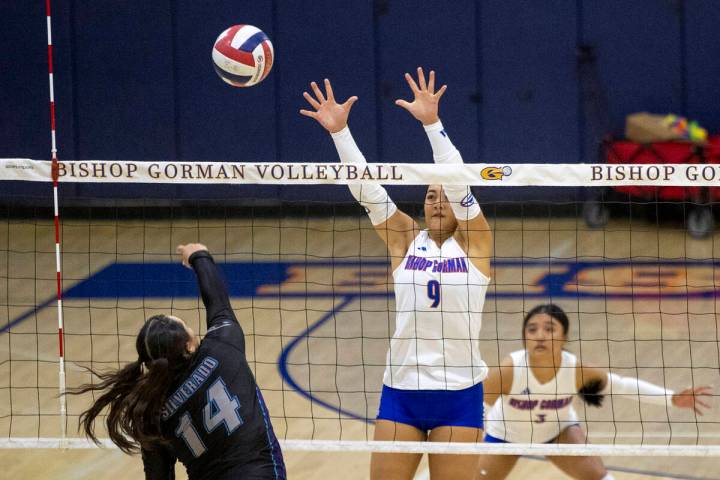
point(491, 439)
point(429, 409)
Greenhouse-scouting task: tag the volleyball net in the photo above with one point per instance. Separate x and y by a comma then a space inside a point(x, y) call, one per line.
point(312, 286)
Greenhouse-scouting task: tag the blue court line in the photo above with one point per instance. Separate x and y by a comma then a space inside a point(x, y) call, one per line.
point(285, 373)
point(171, 280)
point(26, 315)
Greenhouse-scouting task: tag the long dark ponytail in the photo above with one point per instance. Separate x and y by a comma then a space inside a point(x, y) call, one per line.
point(136, 393)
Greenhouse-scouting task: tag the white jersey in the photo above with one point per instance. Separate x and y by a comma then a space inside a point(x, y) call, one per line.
point(439, 297)
point(534, 412)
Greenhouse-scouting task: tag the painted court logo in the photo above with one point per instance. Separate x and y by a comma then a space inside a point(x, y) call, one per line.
point(495, 173)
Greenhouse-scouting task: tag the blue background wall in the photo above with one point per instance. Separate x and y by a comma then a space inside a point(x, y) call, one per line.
point(134, 79)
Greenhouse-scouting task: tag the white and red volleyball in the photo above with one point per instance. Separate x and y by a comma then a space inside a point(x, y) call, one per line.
point(243, 55)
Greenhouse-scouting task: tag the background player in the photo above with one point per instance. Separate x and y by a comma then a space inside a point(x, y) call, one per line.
point(433, 381)
point(189, 400)
point(531, 394)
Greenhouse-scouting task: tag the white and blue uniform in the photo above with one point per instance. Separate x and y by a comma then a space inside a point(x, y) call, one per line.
point(439, 298)
point(435, 351)
point(534, 412)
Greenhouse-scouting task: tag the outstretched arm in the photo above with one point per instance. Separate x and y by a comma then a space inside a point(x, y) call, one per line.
point(394, 227)
point(594, 384)
point(213, 290)
point(473, 229)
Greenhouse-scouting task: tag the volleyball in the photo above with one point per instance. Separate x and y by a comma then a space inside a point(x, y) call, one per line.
point(243, 55)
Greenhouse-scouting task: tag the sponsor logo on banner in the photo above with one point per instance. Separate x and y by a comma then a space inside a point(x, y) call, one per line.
point(19, 166)
point(495, 173)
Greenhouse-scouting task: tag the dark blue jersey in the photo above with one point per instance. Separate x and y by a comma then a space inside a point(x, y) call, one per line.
point(215, 417)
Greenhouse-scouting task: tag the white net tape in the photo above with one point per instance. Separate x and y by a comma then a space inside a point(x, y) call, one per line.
point(576, 450)
point(523, 174)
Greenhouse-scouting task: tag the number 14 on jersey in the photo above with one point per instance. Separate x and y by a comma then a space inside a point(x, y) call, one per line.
point(220, 409)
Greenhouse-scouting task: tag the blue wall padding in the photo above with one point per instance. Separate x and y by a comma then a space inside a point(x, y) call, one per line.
point(134, 80)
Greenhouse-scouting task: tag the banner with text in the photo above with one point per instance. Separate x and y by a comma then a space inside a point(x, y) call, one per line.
point(522, 174)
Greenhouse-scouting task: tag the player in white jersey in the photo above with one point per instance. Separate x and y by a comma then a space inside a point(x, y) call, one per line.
point(433, 380)
point(531, 395)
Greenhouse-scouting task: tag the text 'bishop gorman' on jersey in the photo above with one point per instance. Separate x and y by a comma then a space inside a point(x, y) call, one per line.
point(449, 265)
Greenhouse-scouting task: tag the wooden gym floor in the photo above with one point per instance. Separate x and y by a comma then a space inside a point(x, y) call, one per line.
point(642, 299)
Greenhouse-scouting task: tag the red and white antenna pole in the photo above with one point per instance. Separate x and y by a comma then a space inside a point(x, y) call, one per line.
point(58, 264)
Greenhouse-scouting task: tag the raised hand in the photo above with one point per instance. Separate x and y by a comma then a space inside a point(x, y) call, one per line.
point(424, 106)
point(692, 398)
point(331, 115)
point(185, 251)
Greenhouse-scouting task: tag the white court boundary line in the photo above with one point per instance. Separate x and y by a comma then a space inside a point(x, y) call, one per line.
point(619, 450)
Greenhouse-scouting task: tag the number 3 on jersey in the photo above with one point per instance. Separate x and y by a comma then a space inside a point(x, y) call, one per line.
point(220, 409)
point(433, 291)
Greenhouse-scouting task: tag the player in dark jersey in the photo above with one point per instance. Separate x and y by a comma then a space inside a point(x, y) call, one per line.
point(193, 401)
